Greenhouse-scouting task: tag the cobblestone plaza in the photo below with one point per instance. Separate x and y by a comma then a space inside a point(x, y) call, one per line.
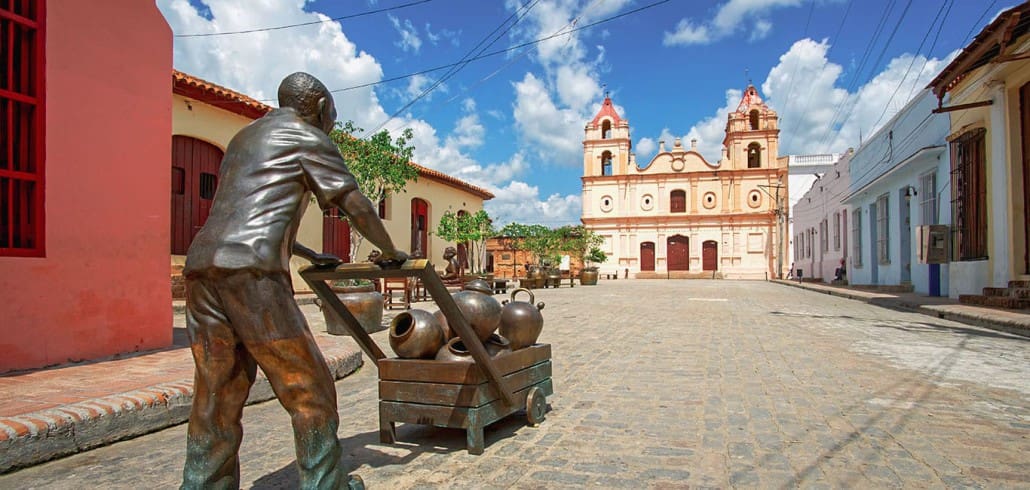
point(675, 384)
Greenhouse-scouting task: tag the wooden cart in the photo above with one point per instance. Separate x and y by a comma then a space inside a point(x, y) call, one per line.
point(465, 395)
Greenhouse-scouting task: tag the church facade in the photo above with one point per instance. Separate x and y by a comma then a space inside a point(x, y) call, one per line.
point(682, 216)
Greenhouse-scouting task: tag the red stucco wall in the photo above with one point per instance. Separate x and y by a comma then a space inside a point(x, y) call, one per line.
point(103, 286)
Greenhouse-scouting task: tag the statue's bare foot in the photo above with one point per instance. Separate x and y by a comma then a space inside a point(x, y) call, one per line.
point(355, 483)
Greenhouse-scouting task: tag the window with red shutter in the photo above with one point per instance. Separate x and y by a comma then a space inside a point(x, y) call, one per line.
point(21, 129)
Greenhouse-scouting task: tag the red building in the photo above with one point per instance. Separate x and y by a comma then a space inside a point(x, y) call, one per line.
point(85, 113)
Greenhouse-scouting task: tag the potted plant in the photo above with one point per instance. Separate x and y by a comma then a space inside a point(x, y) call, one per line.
point(588, 276)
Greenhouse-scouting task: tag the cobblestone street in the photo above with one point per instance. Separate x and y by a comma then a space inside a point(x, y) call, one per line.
point(675, 384)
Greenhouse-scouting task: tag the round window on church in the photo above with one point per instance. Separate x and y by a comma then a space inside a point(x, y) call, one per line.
point(607, 203)
point(754, 199)
point(647, 202)
point(709, 200)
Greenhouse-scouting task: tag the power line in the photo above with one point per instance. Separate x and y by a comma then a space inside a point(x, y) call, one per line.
point(456, 67)
point(342, 17)
point(912, 63)
point(977, 23)
point(797, 63)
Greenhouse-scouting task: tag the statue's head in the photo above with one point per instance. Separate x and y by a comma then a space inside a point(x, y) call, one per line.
point(309, 97)
point(449, 253)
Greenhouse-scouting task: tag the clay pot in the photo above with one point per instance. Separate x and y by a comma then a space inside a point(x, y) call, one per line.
point(478, 285)
point(365, 306)
point(447, 333)
point(482, 312)
point(416, 334)
point(521, 322)
point(497, 345)
point(455, 349)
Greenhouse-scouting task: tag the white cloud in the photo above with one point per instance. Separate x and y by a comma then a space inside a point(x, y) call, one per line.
point(645, 149)
point(686, 33)
point(556, 134)
point(730, 18)
point(805, 89)
point(576, 87)
point(453, 37)
point(409, 40)
point(521, 202)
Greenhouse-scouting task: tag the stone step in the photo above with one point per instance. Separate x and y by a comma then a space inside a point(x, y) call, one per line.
point(996, 292)
point(972, 299)
point(1020, 293)
point(1011, 303)
point(1019, 284)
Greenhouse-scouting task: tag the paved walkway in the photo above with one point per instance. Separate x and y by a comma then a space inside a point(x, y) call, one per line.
point(677, 383)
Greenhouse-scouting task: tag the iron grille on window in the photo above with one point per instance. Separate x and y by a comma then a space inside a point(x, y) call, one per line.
point(928, 203)
point(969, 195)
point(856, 237)
point(21, 128)
point(836, 231)
point(883, 253)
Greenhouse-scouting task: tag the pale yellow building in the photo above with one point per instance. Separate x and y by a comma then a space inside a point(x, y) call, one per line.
point(681, 216)
point(206, 116)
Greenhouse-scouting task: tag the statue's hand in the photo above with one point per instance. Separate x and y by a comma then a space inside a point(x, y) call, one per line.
point(392, 259)
point(326, 261)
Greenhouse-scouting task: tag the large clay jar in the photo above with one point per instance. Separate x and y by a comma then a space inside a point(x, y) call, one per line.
point(454, 350)
point(482, 311)
point(447, 333)
point(521, 322)
point(416, 334)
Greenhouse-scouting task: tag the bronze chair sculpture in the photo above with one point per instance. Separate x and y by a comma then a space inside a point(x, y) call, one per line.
point(240, 310)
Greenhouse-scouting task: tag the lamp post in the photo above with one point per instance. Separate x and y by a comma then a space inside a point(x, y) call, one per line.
point(780, 219)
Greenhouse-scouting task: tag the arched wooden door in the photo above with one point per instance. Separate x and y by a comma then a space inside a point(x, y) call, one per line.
point(419, 228)
point(710, 255)
point(195, 166)
point(335, 234)
point(679, 253)
point(647, 256)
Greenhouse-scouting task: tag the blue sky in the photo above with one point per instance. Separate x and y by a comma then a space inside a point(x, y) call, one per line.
point(835, 70)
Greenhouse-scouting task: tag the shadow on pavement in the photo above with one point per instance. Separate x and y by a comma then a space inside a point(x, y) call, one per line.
point(413, 440)
point(912, 326)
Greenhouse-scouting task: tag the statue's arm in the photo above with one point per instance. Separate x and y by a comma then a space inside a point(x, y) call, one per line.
point(316, 258)
point(365, 219)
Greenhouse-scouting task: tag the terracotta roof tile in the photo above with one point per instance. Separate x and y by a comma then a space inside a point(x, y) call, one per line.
point(232, 101)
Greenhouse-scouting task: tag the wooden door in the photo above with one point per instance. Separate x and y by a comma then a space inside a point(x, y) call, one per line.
point(710, 255)
point(335, 234)
point(647, 256)
point(1024, 118)
point(679, 253)
point(419, 228)
point(195, 166)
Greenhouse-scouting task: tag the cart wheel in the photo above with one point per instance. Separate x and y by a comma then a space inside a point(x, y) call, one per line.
point(536, 406)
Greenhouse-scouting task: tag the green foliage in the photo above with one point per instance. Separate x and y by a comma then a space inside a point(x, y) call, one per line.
point(473, 229)
point(595, 256)
point(380, 164)
point(550, 244)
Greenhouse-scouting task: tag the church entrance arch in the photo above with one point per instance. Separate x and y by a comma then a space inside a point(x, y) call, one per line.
point(710, 255)
point(679, 253)
point(647, 256)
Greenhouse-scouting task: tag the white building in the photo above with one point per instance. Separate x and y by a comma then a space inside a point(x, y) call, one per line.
point(897, 179)
point(820, 223)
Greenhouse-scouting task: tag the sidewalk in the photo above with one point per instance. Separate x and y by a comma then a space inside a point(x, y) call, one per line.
point(53, 412)
point(1011, 321)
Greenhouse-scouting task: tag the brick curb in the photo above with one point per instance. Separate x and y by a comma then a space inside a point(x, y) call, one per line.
point(35, 437)
point(982, 318)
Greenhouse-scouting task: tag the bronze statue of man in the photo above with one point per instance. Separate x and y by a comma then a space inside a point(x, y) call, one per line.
point(240, 311)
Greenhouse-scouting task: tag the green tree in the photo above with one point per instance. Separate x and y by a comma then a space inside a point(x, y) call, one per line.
point(380, 164)
point(525, 237)
point(471, 229)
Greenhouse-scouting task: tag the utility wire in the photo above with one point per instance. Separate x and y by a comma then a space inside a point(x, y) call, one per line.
point(501, 51)
point(933, 45)
point(912, 63)
point(342, 17)
point(465, 60)
point(797, 63)
point(977, 23)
